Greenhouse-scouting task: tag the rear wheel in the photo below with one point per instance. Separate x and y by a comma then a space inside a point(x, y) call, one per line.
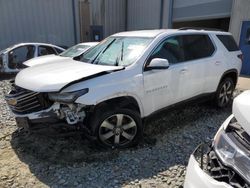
point(224, 92)
point(118, 128)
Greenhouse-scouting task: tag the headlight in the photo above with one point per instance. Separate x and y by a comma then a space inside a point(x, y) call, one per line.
point(232, 155)
point(67, 97)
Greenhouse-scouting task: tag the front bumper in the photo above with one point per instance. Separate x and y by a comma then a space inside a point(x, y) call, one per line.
point(45, 116)
point(71, 113)
point(197, 178)
point(47, 113)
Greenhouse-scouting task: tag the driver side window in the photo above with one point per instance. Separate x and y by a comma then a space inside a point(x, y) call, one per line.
point(169, 49)
point(18, 55)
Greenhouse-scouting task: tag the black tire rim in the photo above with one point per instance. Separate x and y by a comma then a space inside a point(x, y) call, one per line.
point(225, 94)
point(118, 130)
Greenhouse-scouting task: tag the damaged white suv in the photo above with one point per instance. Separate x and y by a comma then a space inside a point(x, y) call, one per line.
point(125, 78)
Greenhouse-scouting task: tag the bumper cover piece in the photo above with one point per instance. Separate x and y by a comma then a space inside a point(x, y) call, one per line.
point(197, 178)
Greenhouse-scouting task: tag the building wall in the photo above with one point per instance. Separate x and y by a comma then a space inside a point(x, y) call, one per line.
point(144, 14)
point(114, 20)
point(201, 9)
point(240, 12)
point(97, 12)
point(108, 13)
point(50, 21)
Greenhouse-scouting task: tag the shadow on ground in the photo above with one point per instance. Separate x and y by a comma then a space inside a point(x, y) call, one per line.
point(170, 138)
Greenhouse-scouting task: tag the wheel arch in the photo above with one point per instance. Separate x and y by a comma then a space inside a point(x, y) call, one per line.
point(232, 73)
point(128, 102)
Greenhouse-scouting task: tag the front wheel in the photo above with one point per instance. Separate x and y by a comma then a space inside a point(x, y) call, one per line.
point(118, 128)
point(224, 92)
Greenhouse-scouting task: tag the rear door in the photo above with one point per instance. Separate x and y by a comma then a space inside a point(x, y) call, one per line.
point(245, 47)
point(198, 52)
point(189, 57)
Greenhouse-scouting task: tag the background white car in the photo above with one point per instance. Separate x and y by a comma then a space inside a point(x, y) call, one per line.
point(227, 162)
point(74, 52)
point(12, 58)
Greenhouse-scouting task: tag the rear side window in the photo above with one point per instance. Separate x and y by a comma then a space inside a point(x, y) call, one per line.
point(58, 50)
point(229, 42)
point(197, 46)
point(45, 50)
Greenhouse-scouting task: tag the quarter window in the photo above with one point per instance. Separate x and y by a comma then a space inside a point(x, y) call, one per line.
point(45, 50)
point(58, 50)
point(229, 42)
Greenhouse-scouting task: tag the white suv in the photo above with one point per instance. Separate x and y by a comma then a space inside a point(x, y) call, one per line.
point(127, 77)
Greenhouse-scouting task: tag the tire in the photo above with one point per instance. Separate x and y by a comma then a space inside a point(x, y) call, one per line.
point(224, 92)
point(117, 128)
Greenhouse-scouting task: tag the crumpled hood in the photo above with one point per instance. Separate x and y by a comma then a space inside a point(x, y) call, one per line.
point(241, 110)
point(44, 59)
point(51, 77)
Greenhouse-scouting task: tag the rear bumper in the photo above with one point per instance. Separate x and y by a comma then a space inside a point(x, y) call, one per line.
point(197, 178)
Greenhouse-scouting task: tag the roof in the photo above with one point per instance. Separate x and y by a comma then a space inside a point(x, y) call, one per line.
point(144, 33)
point(89, 43)
point(30, 43)
point(156, 32)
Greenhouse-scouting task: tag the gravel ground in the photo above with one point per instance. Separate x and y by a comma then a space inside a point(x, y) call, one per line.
point(59, 157)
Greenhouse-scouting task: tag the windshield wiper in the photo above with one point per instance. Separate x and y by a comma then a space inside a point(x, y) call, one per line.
point(102, 51)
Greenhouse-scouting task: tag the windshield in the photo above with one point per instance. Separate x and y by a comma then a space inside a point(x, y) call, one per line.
point(115, 51)
point(75, 51)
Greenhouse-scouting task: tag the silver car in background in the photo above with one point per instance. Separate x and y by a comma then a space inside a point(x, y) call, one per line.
point(74, 52)
point(12, 58)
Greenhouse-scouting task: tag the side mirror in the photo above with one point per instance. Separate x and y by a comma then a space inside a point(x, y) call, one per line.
point(157, 63)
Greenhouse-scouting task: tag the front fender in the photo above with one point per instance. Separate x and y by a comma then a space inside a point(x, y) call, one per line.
point(101, 97)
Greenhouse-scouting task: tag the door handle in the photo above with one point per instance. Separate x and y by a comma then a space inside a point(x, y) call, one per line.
point(183, 71)
point(217, 62)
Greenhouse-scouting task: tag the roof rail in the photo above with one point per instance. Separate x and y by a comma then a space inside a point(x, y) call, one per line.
point(200, 28)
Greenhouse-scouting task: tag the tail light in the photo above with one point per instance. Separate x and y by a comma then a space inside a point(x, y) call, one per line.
point(240, 56)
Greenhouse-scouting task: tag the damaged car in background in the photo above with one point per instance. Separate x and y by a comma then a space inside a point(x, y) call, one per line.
point(74, 52)
point(12, 58)
point(124, 79)
point(227, 160)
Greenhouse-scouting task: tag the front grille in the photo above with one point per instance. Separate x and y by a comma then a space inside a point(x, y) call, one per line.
point(23, 101)
point(224, 174)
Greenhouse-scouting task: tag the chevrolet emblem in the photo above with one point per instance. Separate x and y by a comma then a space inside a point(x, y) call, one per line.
point(12, 102)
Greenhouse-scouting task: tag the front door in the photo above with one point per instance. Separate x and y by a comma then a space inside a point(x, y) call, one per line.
point(164, 87)
point(245, 47)
point(19, 55)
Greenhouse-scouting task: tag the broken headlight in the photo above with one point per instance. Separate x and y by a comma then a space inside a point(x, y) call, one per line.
point(68, 97)
point(232, 154)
